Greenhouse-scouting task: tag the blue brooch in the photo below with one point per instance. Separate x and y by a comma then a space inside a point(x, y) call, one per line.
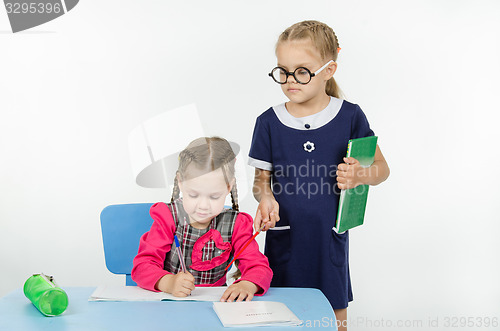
point(309, 146)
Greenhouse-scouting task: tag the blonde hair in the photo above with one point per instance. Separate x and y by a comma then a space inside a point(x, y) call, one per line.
point(323, 39)
point(208, 154)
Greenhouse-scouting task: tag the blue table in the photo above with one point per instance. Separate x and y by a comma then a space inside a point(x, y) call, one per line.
point(17, 313)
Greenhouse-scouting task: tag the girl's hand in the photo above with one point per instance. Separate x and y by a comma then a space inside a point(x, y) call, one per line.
point(349, 174)
point(267, 212)
point(183, 284)
point(243, 290)
point(179, 285)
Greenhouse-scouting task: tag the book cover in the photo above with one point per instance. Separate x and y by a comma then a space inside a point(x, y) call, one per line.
point(255, 313)
point(352, 204)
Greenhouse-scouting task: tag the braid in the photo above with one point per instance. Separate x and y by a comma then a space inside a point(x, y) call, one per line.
point(336, 50)
point(234, 197)
point(176, 191)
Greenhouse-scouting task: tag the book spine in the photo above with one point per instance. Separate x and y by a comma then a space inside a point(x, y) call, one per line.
point(349, 147)
point(342, 195)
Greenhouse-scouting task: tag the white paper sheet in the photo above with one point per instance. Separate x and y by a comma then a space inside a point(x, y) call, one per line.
point(255, 313)
point(135, 293)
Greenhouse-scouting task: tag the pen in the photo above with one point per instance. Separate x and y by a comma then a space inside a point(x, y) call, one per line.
point(179, 252)
point(248, 243)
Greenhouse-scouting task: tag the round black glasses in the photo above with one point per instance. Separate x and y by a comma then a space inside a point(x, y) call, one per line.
point(301, 75)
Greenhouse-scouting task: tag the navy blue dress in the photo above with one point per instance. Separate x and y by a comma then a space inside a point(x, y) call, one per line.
point(303, 155)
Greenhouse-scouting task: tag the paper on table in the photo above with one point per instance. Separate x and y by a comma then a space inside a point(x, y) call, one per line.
point(135, 293)
point(255, 313)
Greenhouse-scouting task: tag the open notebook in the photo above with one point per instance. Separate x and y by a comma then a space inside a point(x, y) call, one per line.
point(255, 313)
point(135, 293)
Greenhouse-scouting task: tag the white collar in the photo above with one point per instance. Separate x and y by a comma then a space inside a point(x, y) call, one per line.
point(310, 122)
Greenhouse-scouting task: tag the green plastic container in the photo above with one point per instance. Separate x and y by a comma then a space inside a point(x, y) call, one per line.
point(47, 297)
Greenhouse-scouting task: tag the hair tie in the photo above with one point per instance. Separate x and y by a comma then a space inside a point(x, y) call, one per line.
point(338, 50)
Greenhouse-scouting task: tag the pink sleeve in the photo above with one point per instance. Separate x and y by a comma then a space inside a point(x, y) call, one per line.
point(153, 247)
point(253, 265)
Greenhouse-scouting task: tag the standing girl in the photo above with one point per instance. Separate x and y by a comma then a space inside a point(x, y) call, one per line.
point(209, 235)
point(298, 150)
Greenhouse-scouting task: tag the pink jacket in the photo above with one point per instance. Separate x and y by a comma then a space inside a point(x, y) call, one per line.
point(155, 244)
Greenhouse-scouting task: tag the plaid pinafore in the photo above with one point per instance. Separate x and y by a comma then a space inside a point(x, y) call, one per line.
point(208, 251)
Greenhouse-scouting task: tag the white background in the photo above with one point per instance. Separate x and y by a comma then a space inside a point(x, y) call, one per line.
point(425, 73)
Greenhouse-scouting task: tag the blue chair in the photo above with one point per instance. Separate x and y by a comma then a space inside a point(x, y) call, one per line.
point(122, 227)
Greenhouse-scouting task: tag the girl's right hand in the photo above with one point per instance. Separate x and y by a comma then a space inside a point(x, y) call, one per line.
point(179, 285)
point(183, 284)
point(267, 212)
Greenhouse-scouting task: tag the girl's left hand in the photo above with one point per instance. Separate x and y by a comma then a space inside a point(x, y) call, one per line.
point(349, 174)
point(243, 290)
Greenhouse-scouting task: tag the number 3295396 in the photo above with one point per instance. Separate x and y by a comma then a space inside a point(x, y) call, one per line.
point(33, 8)
point(471, 322)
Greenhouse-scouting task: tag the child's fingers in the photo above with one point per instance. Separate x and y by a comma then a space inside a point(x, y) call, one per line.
point(242, 296)
point(350, 160)
point(276, 212)
point(235, 293)
point(249, 297)
point(186, 281)
point(189, 281)
point(266, 226)
point(340, 172)
point(226, 294)
point(189, 286)
point(264, 222)
point(342, 167)
point(342, 183)
point(257, 220)
point(273, 219)
point(182, 291)
point(242, 291)
point(232, 297)
point(185, 275)
point(189, 276)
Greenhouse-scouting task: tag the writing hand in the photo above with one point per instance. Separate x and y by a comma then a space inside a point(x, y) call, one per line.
point(183, 284)
point(179, 285)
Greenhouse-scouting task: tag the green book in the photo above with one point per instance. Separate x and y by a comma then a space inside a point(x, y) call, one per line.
point(352, 202)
